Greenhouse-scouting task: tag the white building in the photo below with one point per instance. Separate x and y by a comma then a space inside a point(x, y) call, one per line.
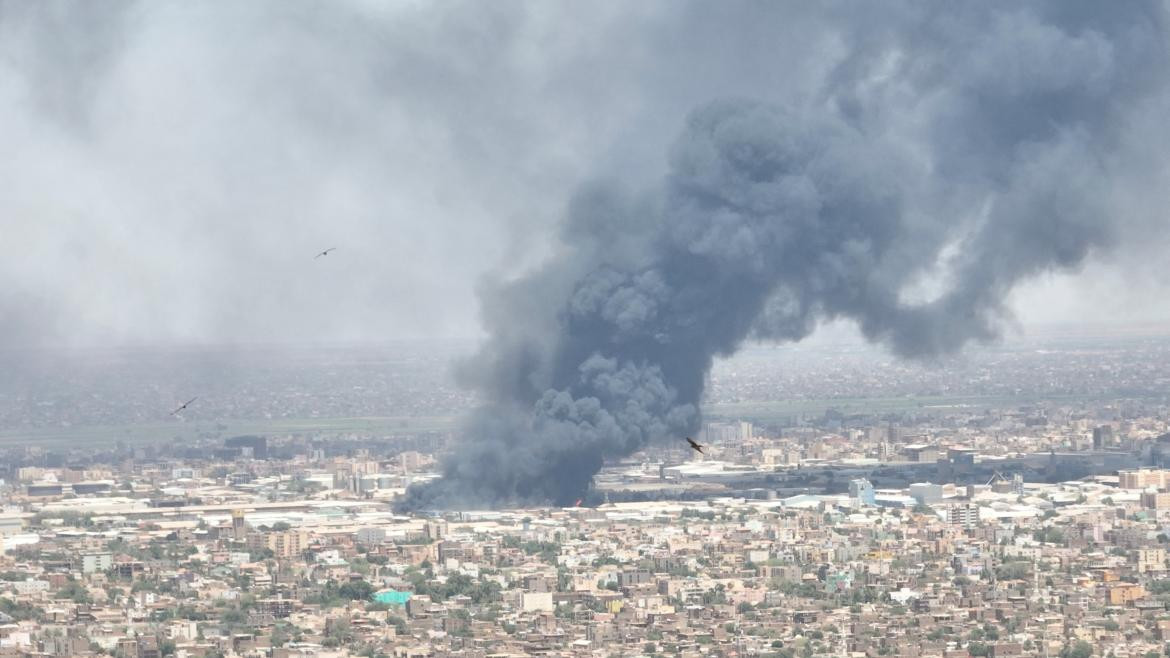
point(30, 587)
point(371, 536)
point(926, 493)
point(94, 562)
point(11, 524)
point(182, 629)
point(966, 515)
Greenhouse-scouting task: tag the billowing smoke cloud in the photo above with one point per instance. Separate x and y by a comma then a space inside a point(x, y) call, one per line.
point(951, 154)
point(170, 167)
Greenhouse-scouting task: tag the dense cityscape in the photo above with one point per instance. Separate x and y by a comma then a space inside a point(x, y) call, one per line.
point(655, 329)
point(945, 521)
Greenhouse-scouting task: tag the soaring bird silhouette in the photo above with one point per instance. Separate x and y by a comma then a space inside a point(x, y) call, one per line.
point(184, 406)
point(324, 253)
point(697, 448)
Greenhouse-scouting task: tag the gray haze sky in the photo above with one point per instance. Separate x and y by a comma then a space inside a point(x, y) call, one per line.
point(170, 168)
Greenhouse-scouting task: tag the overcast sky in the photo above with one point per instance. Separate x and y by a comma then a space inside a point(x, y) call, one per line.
point(170, 169)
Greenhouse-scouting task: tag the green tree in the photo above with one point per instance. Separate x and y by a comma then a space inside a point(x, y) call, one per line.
point(1048, 536)
point(279, 637)
point(20, 611)
point(232, 617)
point(715, 595)
point(1080, 649)
point(74, 591)
point(340, 632)
point(358, 590)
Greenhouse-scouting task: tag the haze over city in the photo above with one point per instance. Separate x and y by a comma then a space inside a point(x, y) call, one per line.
point(584, 329)
point(171, 166)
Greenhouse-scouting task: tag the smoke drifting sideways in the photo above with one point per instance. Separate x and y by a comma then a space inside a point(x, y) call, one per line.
point(950, 156)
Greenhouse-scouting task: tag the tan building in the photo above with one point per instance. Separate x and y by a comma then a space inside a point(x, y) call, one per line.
point(1155, 500)
point(1143, 478)
point(239, 525)
point(283, 544)
point(537, 602)
point(1150, 559)
point(1124, 593)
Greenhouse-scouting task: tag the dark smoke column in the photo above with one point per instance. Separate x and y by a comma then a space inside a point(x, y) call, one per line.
point(981, 153)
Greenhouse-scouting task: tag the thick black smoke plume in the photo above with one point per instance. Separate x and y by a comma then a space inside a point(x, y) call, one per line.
point(970, 146)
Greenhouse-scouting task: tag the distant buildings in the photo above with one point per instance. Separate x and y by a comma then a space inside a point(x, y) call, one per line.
point(926, 493)
point(239, 525)
point(798, 533)
point(1143, 478)
point(1155, 500)
point(919, 452)
point(1124, 593)
point(344, 569)
point(964, 515)
point(94, 562)
point(862, 491)
point(282, 543)
point(1150, 560)
point(11, 524)
point(255, 447)
point(1018, 484)
point(1103, 437)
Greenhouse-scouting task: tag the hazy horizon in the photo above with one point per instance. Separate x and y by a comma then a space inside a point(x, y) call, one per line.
point(173, 168)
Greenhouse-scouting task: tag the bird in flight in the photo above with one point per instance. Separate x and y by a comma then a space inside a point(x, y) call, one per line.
point(184, 406)
point(324, 253)
point(697, 448)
